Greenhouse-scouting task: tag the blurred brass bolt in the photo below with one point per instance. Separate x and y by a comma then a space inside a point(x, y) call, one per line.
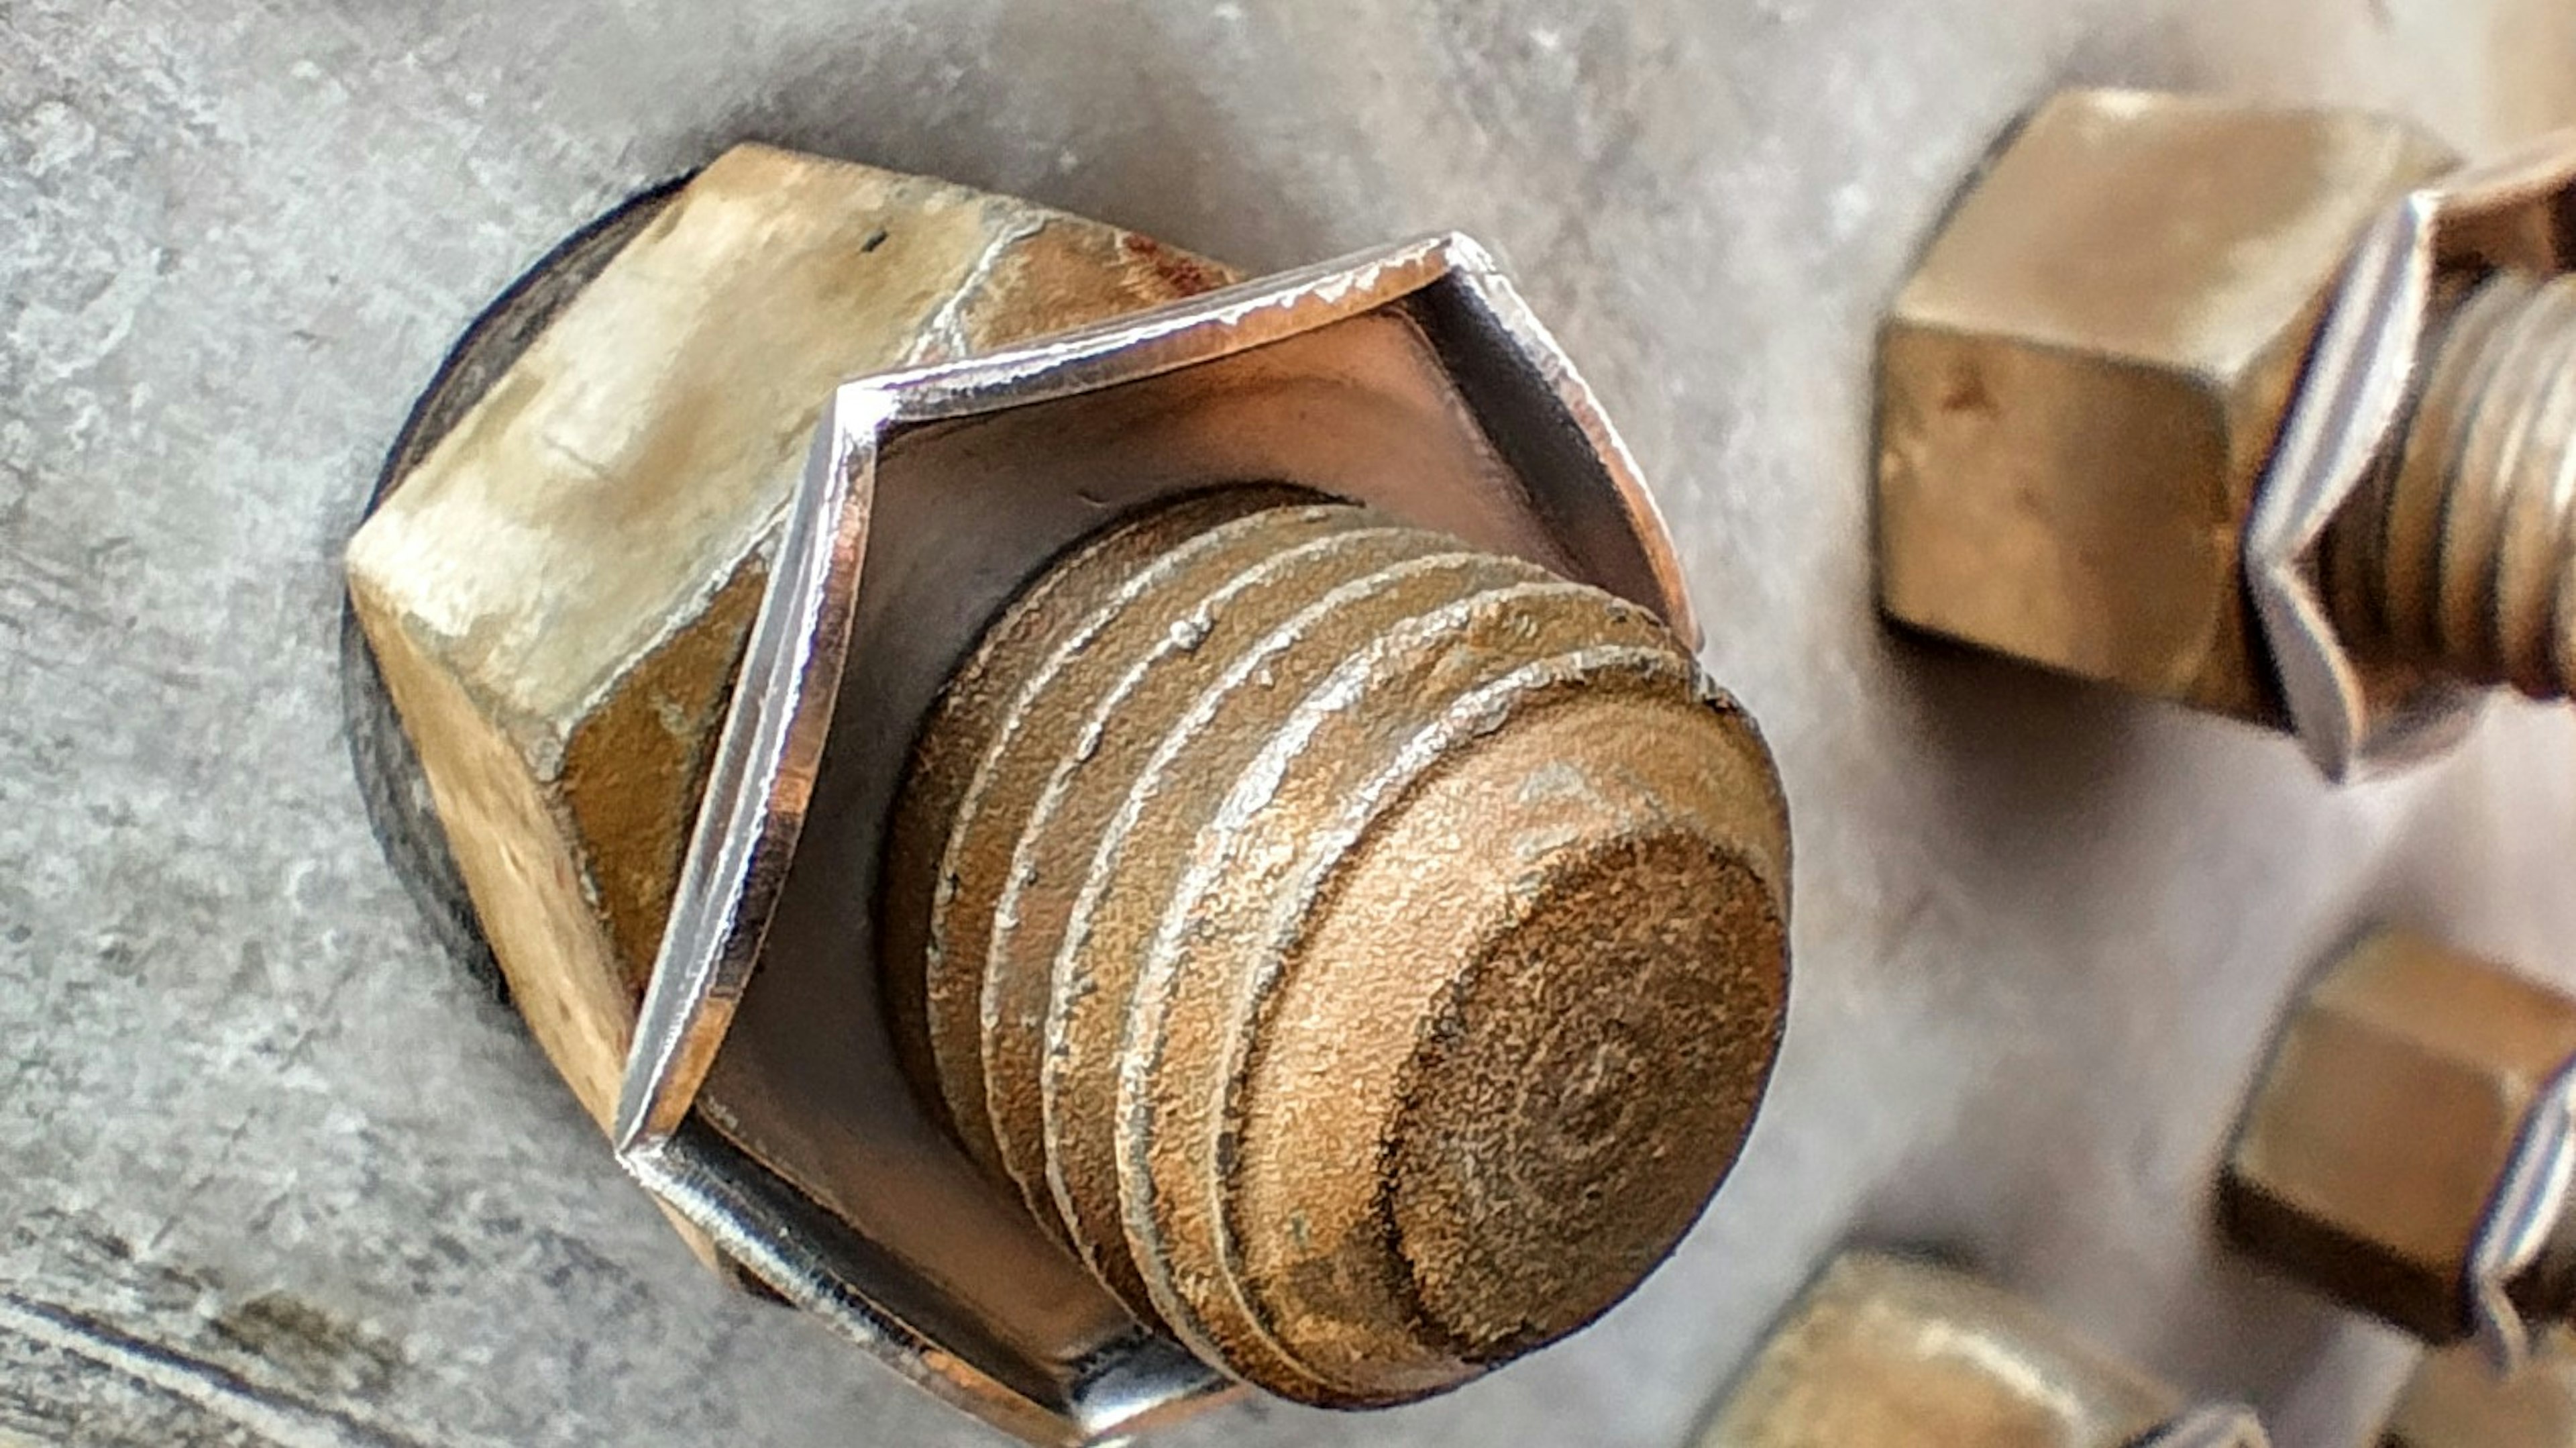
point(2132, 413)
point(1889, 1352)
point(2456, 1399)
point(2398, 1152)
point(1364, 951)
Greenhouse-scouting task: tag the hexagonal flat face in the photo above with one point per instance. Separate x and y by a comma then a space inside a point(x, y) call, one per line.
point(559, 593)
point(2386, 1121)
point(2081, 385)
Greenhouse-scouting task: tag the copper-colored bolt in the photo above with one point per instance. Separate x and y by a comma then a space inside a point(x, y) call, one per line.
point(1364, 951)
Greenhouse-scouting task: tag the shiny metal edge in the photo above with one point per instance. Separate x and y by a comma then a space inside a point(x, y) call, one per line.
point(767, 1227)
point(762, 776)
point(1249, 314)
point(2213, 1425)
point(2532, 1196)
point(2359, 382)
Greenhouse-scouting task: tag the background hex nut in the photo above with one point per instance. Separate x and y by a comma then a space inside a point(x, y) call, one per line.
point(1891, 1352)
point(2082, 384)
point(2457, 1399)
point(2387, 1123)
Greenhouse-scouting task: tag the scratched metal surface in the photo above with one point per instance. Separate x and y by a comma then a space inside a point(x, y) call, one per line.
point(273, 1171)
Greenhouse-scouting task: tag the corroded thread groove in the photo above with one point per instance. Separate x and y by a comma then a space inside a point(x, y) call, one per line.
point(1364, 951)
point(2461, 556)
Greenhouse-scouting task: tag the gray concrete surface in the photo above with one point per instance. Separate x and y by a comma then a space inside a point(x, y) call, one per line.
point(273, 1171)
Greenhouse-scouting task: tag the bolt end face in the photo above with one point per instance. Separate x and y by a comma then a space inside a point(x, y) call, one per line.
point(1583, 1087)
point(1556, 973)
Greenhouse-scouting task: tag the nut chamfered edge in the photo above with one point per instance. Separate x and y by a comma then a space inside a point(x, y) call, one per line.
point(1390, 943)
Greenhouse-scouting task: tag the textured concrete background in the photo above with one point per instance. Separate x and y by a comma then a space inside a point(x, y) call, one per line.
point(272, 1170)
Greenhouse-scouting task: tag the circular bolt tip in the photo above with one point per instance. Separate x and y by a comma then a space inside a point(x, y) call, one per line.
point(1379, 946)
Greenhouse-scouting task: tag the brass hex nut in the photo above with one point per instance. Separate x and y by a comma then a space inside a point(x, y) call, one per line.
point(558, 591)
point(2388, 1123)
point(2456, 1399)
point(1890, 1352)
point(2080, 387)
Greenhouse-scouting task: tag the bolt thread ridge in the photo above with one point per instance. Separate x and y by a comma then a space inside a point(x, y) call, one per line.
point(1306, 917)
point(2459, 557)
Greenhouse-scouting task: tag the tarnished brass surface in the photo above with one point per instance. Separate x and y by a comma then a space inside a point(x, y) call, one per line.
point(558, 594)
point(2457, 1399)
point(1365, 950)
point(1887, 1352)
point(2381, 1135)
point(2268, 411)
point(2081, 385)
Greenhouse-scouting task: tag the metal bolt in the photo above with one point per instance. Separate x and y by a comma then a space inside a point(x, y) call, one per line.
point(1882, 1351)
point(680, 623)
point(2458, 557)
point(2271, 412)
point(2404, 1151)
point(1365, 951)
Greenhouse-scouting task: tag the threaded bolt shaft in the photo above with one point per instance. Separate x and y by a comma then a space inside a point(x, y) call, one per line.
point(2459, 558)
point(1364, 951)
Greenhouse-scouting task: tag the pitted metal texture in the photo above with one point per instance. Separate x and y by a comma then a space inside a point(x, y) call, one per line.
point(1366, 952)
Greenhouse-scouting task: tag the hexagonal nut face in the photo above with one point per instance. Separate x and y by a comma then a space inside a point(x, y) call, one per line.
point(559, 592)
point(2081, 385)
point(2386, 1121)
